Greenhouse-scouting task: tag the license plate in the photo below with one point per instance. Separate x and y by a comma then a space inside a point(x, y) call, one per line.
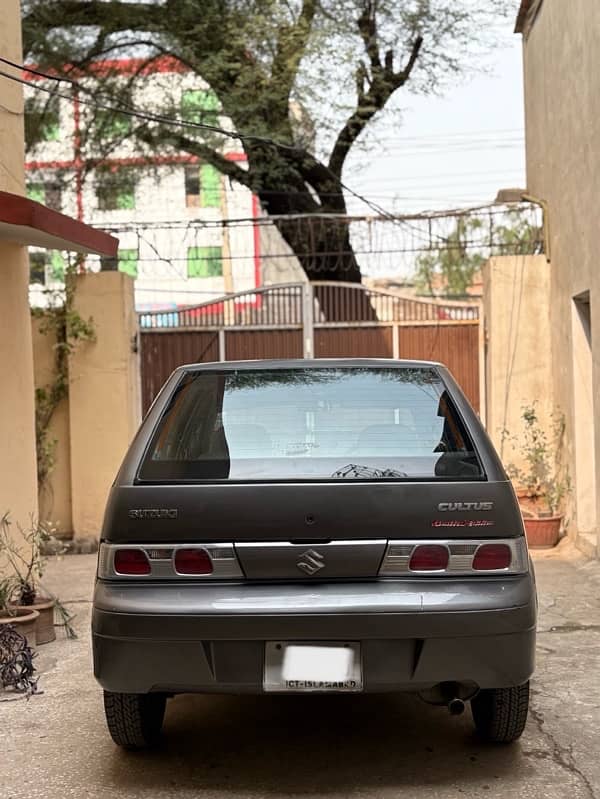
point(303, 667)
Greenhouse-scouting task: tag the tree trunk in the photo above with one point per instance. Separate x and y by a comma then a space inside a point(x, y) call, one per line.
point(323, 248)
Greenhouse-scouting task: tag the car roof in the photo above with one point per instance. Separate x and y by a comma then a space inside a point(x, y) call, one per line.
point(311, 363)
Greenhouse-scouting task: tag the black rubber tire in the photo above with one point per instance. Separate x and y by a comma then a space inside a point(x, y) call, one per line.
point(500, 714)
point(134, 720)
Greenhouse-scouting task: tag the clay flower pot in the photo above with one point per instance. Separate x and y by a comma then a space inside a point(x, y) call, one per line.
point(24, 621)
point(542, 532)
point(45, 631)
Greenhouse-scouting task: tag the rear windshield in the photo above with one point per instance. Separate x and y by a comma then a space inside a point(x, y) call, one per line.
point(311, 424)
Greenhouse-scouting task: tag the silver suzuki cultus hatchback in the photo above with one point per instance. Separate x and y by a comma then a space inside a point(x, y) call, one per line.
point(313, 526)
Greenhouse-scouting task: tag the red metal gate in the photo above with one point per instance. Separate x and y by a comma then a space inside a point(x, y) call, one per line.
point(285, 321)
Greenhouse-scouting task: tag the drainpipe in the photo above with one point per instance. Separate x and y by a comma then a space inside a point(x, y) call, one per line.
point(545, 220)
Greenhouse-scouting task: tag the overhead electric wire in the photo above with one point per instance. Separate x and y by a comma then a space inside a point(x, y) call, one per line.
point(161, 119)
point(133, 112)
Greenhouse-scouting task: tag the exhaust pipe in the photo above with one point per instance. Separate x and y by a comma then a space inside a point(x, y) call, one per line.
point(456, 707)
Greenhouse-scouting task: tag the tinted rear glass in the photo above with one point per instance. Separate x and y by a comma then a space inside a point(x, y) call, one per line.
point(311, 424)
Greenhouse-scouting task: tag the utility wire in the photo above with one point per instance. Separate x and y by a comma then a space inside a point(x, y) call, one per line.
point(174, 121)
point(161, 119)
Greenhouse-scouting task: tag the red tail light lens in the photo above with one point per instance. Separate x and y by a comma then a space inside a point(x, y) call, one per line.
point(193, 561)
point(490, 557)
point(429, 558)
point(131, 561)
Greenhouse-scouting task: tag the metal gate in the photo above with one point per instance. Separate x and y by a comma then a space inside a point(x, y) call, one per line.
point(288, 321)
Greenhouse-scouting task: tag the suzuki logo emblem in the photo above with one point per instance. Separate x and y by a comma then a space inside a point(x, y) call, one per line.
point(311, 562)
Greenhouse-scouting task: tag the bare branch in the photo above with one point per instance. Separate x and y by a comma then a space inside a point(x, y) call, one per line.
point(200, 149)
point(404, 75)
point(367, 27)
point(291, 47)
point(383, 82)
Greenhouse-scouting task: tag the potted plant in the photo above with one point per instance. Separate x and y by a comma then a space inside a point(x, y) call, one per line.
point(542, 484)
point(17, 672)
point(28, 562)
point(24, 620)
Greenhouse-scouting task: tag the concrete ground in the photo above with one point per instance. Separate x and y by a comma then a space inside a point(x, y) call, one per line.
point(55, 745)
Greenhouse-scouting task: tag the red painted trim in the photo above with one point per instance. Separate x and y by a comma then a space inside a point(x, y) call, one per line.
point(78, 163)
point(32, 165)
point(257, 264)
point(131, 161)
point(17, 210)
point(122, 66)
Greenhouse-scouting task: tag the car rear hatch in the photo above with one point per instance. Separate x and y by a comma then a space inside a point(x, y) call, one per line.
point(315, 473)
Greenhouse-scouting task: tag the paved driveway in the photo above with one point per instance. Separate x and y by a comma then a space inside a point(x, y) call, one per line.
point(56, 746)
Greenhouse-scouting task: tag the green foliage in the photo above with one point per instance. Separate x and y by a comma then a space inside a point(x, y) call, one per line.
point(518, 236)
point(278, 69)
point(7, 589)
point(544, 476)
point(449, 270)
point(27, 560)
point(69, 330)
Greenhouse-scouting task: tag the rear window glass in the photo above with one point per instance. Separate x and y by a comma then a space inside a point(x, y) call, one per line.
point(311, 424)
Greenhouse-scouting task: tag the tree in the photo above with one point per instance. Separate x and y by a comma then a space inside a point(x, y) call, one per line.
point(340, 61)
point(448, 270)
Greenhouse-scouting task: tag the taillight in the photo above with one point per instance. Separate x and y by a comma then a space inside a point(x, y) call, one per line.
point(131, 561)
point(490, 557)
point(193, 561)
point(214, 561)
point(456, 557)
point(428, 558)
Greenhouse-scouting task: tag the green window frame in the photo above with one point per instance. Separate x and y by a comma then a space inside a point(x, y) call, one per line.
point(210, 186)
point(37, 268)
point(57, 267)
point(42, 120)
point(200, 105)
point(115, 191)
point(111, 125)
point(204, 261)
point(49, 194)
point(191, 173)
point(128, 262)
point(46, 267)
point(36, 192)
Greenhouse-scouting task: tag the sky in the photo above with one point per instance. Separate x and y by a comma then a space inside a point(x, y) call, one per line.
point(450, 151)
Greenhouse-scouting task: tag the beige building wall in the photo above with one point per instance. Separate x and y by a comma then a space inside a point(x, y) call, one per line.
point(562, 102)
point(104, 394)
point(284, 267)
point(518, 360)
point(18, 481)
point(54, 495)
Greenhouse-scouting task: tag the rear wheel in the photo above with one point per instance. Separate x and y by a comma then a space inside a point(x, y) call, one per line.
point(500, 713)
point(134, 720)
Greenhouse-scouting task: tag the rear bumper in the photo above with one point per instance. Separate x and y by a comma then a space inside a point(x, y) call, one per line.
point(413, 634)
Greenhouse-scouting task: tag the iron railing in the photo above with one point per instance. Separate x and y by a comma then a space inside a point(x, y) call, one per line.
point(324, 303)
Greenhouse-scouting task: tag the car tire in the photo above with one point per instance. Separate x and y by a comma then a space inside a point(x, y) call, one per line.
point(134, 720)
point(500, 714)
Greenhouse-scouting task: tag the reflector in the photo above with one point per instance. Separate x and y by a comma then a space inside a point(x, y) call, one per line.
point(131, 561)
point(193, 561)
point(429, 557)
point(490, 557)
